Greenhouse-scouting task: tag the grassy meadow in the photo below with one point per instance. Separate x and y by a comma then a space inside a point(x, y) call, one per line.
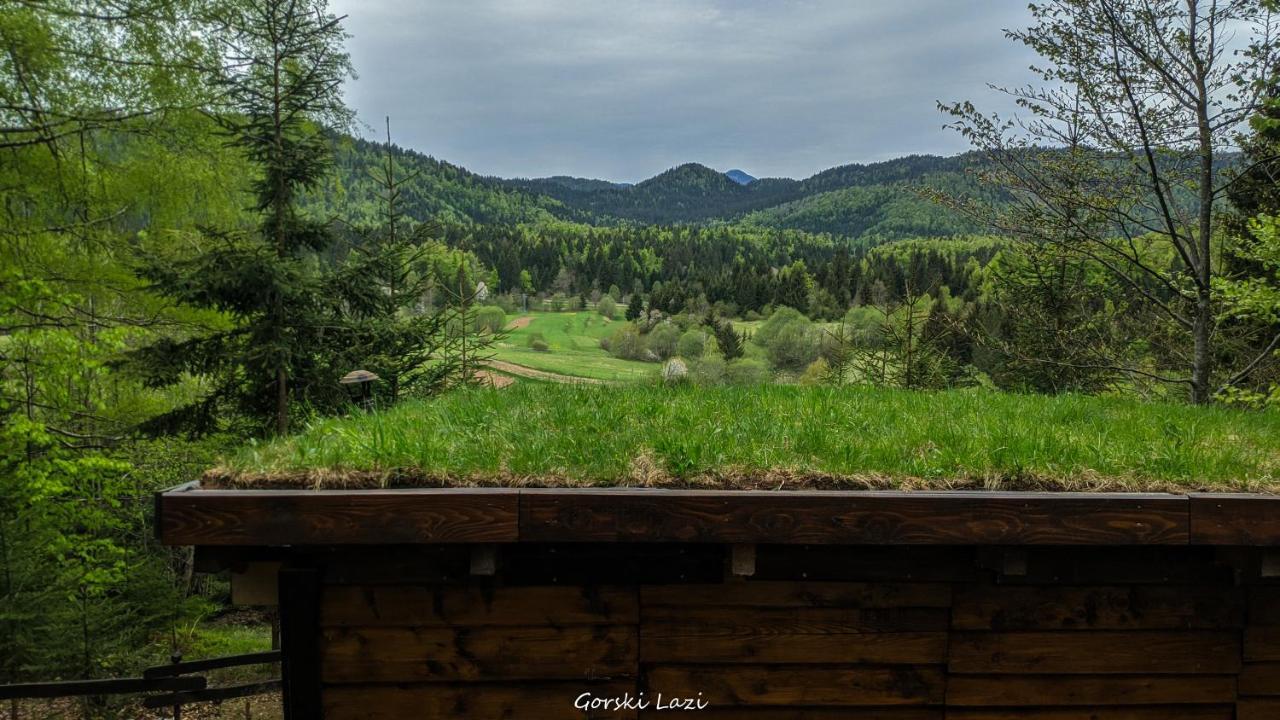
point(573, 347)
point(777, 436)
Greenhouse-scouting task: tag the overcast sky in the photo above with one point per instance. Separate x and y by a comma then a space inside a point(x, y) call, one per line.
point(624, 89)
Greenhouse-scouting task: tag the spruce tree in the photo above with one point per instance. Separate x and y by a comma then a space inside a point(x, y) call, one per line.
point(285, 64)
point(635, 308)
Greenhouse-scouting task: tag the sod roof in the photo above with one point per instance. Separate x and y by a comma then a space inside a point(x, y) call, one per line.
point(773, 437)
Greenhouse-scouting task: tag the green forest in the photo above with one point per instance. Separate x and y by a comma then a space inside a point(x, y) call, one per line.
point(199, 240)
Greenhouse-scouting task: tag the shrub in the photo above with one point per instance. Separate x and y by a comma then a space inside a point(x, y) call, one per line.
point(747, 371)
point(663, 340)
point(538, 342)
point(710, 370)
point(795, 346)
point(675, 372)
point(692, 344)
point(781, 318)
point(490, 318)
point(626, 342)
point(607, 307)
point(816, 373)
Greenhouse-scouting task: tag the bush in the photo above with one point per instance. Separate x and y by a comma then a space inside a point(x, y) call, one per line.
point(710, 370)
point(663, 340)
point(816, 373)
point(626, 343)
point(781, 318)
point(490, 318)
point(538, 342)
point(607, 307)
point(747, 371)
point(675, 372)
point(794, 346)
point(692, 344)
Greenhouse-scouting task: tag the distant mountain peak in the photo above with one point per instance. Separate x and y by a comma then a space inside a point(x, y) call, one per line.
point(740, 177)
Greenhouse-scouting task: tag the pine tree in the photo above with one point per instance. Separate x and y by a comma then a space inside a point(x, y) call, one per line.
point(635, 308)
point(729, 340)
point(285, 67)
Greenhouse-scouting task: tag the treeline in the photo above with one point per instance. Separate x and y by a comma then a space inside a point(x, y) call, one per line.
point(738, 269)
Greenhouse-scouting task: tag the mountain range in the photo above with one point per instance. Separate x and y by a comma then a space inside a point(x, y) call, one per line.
point(880, 200)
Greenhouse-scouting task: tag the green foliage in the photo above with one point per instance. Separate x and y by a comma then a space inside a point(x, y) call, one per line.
point(969, 437)
point(692, 344)
point(635, 307)
point(747, 371)
point(607, 307)
point(490, 319)
point(663, 340)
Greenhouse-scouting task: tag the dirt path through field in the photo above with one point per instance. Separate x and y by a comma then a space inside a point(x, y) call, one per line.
point(520, 322)
point(528, 372)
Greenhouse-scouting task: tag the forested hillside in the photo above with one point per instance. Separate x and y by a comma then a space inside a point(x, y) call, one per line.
point(881, 200)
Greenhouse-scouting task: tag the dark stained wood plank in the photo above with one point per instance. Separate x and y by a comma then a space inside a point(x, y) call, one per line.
point(1260, 679)
point(543, 701)
point(1264, 606)
point(1095, 653)
point(1003, 607)
point(1166, 712)
point(1089, 691)
point(671, 621)
point(473, 606)
point(781, 647)
point(848, 713)
point(800, 594)
point(407, 655)
point(1252, 709)
point(1229, 519)
point(758, 686)
point(1262, 644)
point(331, 517)
point(875, 518)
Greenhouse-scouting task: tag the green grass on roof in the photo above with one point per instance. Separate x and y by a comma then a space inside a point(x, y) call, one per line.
point(776, 437)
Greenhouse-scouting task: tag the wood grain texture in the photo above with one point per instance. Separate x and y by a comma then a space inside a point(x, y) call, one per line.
point(800, 594)
point(846, 713)
point(1260, 679)
point(1136, 607)
point(857, 518)
point(335, 517)
point(1089, 690)
point(1165, 712)
point(1223, 519)
point(543, 701)
point(404, 655)
point(1254, 709)
point(472, 606)
point(1093, 653)
point(781, 648)
point(1262, 644)
point(758, 686)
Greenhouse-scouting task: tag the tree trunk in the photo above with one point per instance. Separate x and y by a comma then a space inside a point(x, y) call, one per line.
point(282, 401)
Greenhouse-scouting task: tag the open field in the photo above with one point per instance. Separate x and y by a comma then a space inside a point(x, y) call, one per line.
point(778, 436)
point(573, 340)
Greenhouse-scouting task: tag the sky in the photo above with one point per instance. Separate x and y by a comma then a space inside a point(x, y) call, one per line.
point(624, 89)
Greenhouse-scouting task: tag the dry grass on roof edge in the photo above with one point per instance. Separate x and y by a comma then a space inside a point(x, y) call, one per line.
point(649, 476)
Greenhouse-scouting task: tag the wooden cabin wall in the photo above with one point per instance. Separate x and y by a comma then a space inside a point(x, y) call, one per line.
point(817, 633)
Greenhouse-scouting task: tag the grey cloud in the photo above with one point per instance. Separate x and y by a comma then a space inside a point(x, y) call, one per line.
point(623, 89)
